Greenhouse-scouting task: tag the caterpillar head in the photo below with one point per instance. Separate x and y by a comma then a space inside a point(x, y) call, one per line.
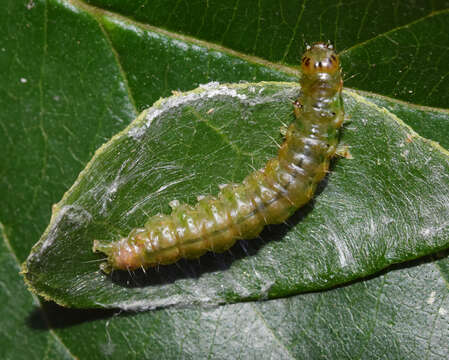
point(321, 58)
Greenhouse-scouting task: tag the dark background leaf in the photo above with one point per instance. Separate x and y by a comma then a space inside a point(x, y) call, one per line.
point(65, 89)
point(395, 48)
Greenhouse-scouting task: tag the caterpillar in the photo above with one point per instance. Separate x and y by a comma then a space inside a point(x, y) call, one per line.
point(266, 196)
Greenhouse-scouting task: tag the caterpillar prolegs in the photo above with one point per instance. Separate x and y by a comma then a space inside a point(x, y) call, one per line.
point(266, 196)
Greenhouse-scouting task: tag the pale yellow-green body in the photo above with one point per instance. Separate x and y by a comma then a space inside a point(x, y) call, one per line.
point(267, 196)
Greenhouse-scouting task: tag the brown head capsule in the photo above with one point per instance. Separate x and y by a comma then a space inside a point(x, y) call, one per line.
point(320, 57)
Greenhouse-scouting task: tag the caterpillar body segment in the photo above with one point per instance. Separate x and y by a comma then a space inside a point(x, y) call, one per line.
point(266, 196)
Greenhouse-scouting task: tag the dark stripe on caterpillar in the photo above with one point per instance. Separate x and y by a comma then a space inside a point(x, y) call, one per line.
point(266, 196)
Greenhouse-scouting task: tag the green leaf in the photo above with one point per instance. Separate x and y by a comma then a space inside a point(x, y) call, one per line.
point(386, 205)
point(392, 48)
point(22, 320)
point(399, 315)
point(74, 75)
point(430, 123)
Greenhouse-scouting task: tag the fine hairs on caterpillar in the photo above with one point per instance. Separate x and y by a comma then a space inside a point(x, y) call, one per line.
point(266, 196)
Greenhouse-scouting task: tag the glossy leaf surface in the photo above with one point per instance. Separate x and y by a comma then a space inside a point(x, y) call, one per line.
point(74, 75)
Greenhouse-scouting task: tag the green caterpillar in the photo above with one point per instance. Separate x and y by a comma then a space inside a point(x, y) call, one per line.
point(266, 196)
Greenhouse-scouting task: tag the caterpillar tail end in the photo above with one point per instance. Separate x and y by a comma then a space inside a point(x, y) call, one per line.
point(105, 248)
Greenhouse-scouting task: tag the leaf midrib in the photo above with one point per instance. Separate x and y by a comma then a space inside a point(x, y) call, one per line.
point(99, 13)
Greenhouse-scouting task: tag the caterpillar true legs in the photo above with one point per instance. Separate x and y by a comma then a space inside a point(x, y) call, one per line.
point(266, 196)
